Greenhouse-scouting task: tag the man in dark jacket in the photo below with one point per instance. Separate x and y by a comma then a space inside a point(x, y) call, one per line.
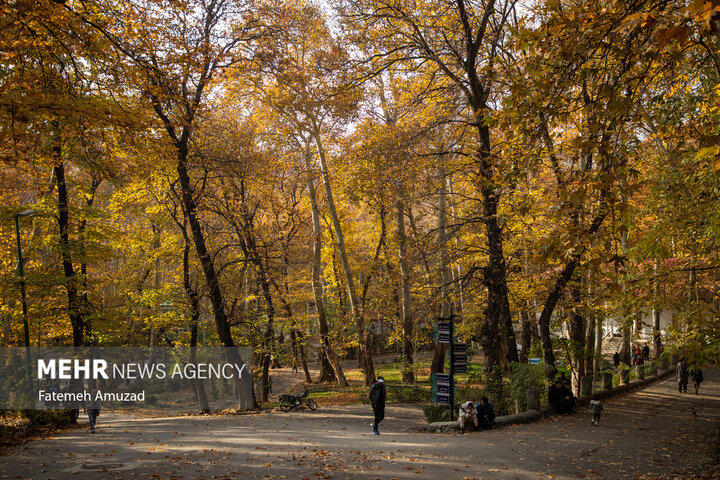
point(560, 397)
point(377, 399)
point(485, 413)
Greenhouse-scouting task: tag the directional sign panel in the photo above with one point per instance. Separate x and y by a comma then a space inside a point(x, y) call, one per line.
point(443, 399)
point(442, 378)
point(462, 368)
point(459, 358)
point(443, 329)
point(460, 347)
point(443, 389)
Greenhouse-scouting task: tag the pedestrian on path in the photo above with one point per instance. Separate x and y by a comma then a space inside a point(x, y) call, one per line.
point(697, 377)
point(377, 399)
point(616, 359)
point(93, 409)
point(682, 376)
point(595, 409)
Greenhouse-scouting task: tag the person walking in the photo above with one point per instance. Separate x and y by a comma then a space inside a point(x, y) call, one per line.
point(377, 400)
point(697, 375)
point(616, 359)
point(682, 375)
point(595, 409)
point(93, 409)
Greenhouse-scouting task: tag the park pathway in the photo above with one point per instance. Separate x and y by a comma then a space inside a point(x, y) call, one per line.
point(648, 432)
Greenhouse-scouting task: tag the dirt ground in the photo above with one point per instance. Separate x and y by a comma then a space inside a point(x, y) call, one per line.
point(648, 433)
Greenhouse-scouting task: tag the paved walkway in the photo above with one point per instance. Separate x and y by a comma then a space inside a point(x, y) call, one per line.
point(648, 432)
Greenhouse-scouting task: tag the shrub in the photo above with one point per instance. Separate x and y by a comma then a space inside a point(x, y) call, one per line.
point(408, 394)
point(54, 418)
point(522, 377)
point(436, 413)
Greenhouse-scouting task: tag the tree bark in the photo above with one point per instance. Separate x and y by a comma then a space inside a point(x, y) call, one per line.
point(365, 356)
point(577, 338)
point(592, 356)
point(438, 362)
point(244, 384)
point(657, 339)
point(77, 320)
point(408, 372)
point(497, 310)
point(526, 334)
point(245, 231)
point(330, 367)
point(89, 200)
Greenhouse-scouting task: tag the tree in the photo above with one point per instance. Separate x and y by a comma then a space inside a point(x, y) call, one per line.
point(174, 55)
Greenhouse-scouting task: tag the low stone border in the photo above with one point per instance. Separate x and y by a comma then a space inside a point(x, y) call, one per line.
point(532, 415)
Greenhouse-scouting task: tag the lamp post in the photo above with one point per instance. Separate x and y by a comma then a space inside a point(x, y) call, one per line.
point(26, 327)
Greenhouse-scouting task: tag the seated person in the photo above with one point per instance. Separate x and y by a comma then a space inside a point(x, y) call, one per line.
point(560, 397)
point(467, 411)
point(486, 412)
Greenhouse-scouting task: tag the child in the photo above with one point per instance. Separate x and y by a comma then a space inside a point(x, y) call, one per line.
point(595, 409)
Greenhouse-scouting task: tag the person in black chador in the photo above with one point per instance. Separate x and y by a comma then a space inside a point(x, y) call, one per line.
point(616, 359)
point(561, 397)
point(377, 399)
point(485, 413)
point(697, 375)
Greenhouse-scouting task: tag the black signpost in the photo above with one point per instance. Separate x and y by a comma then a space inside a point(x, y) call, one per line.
point(459, 358)
point(446, 383)
point(442, 382)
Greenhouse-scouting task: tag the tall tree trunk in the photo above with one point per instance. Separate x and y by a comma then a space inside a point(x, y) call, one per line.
point(591, 355)
point(194, 308)
point(438, 362)
point(528, 325)
point(299, 350)
point(458, 284)
point(577, 337)
point(296, 336)
point(598, 341)
point(368, 367)
point(245, 231)
point(526, 334)
point(626, 348)
point(77, 320)
point(497, 311)
point(408, 372)
point(330, 367)
point(243, 384)
point(89, 200)
point(657, 339)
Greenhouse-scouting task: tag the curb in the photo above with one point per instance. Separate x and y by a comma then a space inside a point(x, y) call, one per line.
point(532, 415)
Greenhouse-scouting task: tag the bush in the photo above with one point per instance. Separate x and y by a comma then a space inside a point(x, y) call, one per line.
point(522, 377)
point(408, 394)
point(436, 413)
point(53, 418)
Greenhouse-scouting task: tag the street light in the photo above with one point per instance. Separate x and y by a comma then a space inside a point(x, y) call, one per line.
point(27, 213)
